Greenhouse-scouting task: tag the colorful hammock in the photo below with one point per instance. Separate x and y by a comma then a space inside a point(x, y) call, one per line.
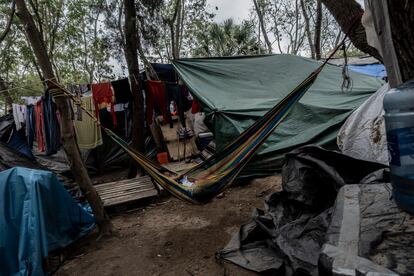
point(204, 181)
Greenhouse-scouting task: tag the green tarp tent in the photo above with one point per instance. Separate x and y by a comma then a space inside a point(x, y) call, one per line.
point(236, 91)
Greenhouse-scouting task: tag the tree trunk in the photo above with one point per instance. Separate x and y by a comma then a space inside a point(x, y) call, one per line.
point(171, 23)
point(348, 13)
point(8, 24)
point(131, 56)
point(262, 25)
point(307, 28)
point(176, 40)
point(69, 143)
point(318, 26)
point(8, 99)
point(148, 67)
point(401, 17)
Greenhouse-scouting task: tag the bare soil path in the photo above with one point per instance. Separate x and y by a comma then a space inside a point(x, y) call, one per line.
point(170, 237)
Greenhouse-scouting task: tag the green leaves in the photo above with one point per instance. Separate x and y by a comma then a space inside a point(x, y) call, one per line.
point(227, 39)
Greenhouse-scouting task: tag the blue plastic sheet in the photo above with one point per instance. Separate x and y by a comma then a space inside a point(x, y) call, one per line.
point(37, 216)
point(373, 70)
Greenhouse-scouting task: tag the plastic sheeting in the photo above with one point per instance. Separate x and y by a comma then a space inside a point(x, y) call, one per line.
point(235, 91)
point(37, 215)
point(287, 237)
point(368, 234)
point(373, 70)
point(13, 138)
point(10, 158)
point(362, 135)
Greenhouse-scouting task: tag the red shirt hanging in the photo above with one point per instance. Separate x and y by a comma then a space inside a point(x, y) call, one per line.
point(102, 93)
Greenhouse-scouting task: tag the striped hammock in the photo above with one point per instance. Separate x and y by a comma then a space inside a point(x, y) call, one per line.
point(206, 180)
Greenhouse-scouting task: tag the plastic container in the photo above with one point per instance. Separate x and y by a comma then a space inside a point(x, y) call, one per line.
point(204, 139)
point(399, 123)
point(162, 158)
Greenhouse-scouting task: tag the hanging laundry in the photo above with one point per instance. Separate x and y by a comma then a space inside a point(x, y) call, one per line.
point(187, 99)
point(84, 88)
point(51, 125)
point(19, 115)
point(88, 134)
point(75, 89)
point(157, 100)
point(195, 108)
point(30, 124)
point(103, 96)
point(173, 94)
point(122, 91)
point(30, 99)
point(40, 138)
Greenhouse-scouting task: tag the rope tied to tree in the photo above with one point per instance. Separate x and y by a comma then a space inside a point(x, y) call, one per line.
point(346, 78)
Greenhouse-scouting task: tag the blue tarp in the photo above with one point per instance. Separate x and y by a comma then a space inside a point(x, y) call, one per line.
point(373, 70)
point(37, 216)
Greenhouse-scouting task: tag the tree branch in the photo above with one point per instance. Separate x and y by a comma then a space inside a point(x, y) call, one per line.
point(345, 13)
point(9, 23)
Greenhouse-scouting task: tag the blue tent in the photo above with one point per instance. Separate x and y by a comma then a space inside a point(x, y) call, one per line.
point(373, 70)
point(37, 216)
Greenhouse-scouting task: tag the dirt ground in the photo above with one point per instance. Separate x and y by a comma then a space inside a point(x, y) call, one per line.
point(170, 237)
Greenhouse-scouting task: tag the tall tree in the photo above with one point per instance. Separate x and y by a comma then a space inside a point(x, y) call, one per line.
point(314, 38)
point(3, 85)
point(175, 25)
point(258, 5)
point(298, 27)
point(227, 39)
point(348, 13)
point(308, 28)
point(131, 56)
point(70, 146)
point(318, 30)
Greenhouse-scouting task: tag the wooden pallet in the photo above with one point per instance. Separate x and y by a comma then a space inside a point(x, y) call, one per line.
point(179, 166)
point(175, 147)
point(124, 191)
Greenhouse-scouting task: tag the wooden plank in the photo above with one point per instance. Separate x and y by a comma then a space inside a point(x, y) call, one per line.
point(143, 179)
point(174, 146)
point(116, 186)
point(125, 187)
point(126, 190)
point(123, 190)
point(176, 149)
point(130, 198)
point(126, 193)
point(179, 166)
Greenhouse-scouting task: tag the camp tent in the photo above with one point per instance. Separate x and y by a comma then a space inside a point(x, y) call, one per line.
point(235, 91)
point(37, 216)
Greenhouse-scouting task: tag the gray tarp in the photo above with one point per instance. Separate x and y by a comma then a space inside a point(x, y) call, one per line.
point(321, 224)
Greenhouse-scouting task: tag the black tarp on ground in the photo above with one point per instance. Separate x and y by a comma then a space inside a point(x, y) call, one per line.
point(287, 237)
point(11, 158)
point(368, 233)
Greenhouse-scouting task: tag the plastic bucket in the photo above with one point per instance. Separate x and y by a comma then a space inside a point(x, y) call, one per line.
point(162, 158)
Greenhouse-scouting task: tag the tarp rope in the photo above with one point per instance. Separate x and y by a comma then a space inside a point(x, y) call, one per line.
point(205, 180)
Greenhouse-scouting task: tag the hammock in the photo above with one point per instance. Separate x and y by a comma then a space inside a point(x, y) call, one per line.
point(204, 181)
